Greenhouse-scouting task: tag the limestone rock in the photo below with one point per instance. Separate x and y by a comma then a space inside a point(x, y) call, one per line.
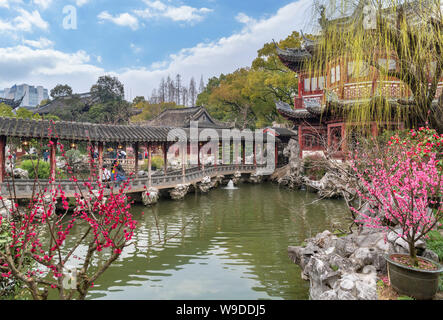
point(179, 192)
point(430, 255)
point(205, 185)
point(150, 196)
point(6, 207)
point(256, 178)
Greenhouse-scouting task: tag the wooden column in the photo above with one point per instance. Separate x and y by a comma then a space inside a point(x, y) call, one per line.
point(276, 154)
point(198, 154)
point(374, 129)
point(329, 137)
point(255, 154)
point(235, 153)
point(300, 140)
point(92, 160)
point(165, 156)
point(150, 163)
point(345, 140)
point(100, 161)
point(243, 146)
point(2, 158)
point(136, 159)
point(52, 159)
point(184, 152)
point(216, 153)
point(300, 86)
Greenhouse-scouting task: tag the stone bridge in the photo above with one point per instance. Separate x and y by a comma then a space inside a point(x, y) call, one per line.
point(25, 189)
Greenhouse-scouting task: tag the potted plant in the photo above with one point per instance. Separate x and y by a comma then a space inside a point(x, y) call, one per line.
point(404, 183)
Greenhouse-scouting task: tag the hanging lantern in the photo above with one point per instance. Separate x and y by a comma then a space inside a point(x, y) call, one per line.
point(73, 145)
point(25, 143)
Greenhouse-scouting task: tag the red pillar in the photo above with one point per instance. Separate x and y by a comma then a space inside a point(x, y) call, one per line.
point(198, 154)
point(255, 154)
point(329, 137)
point(2, 158)
point(52, 159)
point(184, 152)
point(345, 140)
point(150, 163)
point(300, 86)
point(276, 154)
point(300, 140)
point(136, 158)
point(374, 129)
point(216, 153)
point(243, 155)
point(165, 156)
point(92, 160)
point(100, 161)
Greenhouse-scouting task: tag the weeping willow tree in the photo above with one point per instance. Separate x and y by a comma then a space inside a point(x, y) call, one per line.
point(394, 46)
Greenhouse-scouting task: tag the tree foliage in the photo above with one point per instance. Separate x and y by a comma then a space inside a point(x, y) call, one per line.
point(151, 110)
point(61, 91)
point(247, 96)
point(108, 89)
point(409, 32)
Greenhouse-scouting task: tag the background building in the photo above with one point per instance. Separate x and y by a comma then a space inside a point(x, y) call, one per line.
point(32, 96)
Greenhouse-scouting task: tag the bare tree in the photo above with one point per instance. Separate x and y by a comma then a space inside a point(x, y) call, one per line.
point(178, 80)
point(201, 87)
point(192, 92)
point(162, 91)
point(185, 96)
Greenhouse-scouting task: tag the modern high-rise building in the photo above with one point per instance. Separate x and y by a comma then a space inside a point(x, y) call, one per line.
point(32, 95)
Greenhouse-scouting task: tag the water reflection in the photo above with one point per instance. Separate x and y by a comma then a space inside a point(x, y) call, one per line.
point(228, 245)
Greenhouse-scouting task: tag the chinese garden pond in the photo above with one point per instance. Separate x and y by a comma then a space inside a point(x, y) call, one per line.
point(228, 244)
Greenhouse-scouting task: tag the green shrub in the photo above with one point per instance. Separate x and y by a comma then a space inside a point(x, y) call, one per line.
point(29, 157)
point(435, 243)
point(157, 163)
point(43, 168)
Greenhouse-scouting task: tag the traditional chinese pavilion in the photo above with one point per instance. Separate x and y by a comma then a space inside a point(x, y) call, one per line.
point(325, 95)
point(11, 102)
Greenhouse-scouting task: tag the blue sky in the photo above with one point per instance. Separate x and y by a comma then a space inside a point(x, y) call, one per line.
point(139, 41)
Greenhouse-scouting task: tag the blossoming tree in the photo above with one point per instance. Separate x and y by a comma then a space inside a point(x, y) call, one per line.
point(36, 253)
point(405, 185)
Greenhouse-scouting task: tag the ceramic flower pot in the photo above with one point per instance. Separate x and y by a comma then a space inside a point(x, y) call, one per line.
point(420, 284)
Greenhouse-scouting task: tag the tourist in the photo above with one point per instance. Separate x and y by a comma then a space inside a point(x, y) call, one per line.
point(106, 173)
point(121, 175)
point(46, 156)
point(115, 164)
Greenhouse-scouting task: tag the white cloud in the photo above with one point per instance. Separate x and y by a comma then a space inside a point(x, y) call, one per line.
point(157, 9)
point(81, 2)
point(49, 67)
point(25, 22)
point(243, 18)
point(224, 55)
point(41, 43)
point(124, 19)
point(44, 4)
point(135, 49)
point(6, 3)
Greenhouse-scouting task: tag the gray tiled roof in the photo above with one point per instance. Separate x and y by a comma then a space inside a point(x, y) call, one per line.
point(78, 131)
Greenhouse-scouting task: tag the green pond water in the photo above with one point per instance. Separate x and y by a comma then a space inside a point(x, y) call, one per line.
point(228, 244)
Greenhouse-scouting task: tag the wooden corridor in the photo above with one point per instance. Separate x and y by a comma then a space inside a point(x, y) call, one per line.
point(24, 189)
